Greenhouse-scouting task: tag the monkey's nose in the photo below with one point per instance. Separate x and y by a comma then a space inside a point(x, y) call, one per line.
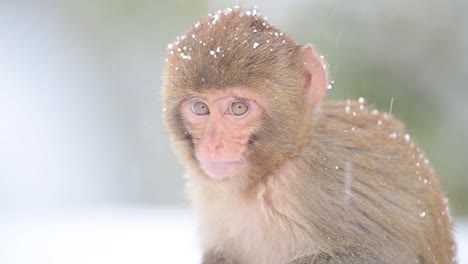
point(215, 145)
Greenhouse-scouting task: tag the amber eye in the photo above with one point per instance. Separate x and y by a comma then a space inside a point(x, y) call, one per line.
point(239, 108)
point(200, 108)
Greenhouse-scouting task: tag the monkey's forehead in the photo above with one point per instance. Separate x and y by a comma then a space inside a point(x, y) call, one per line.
point(212, 20)
point(229, 48)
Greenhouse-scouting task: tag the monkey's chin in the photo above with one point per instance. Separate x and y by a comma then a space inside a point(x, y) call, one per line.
point(221, 170)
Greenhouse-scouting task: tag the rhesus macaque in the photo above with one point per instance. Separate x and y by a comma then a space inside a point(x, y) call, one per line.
point(279, 176)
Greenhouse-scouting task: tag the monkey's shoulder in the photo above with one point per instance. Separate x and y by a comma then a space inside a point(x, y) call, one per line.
point(357, 121)
point(354, 128)
point(357, 115)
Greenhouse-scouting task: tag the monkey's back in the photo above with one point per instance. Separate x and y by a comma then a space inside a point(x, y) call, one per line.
point(389, 206)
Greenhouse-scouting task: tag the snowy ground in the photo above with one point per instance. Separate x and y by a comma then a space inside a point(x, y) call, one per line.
point(117, 235)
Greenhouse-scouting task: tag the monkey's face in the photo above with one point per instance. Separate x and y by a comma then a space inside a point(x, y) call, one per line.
point(221, 125)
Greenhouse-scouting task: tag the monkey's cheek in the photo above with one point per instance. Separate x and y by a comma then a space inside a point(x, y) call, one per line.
point(221, 170)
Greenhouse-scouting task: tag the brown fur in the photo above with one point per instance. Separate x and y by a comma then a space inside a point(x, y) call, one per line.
point(339, 184)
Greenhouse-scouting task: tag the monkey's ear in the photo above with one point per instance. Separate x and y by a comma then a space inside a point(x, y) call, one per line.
point(316, 75)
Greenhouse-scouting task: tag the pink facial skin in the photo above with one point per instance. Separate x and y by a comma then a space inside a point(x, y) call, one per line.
point(221, 124)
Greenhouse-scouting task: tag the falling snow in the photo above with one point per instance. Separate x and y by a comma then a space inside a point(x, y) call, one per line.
point(215, 19)
point(407, 137)
point(185, 57)
point(255, 45)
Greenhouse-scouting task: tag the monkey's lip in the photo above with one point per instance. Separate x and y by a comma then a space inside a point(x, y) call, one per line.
point(221, 170)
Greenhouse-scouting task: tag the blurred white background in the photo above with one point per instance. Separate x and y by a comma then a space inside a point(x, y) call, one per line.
point(86, 171)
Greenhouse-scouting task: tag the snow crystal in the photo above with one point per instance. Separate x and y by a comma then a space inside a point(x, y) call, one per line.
point(179, 50)
point(170, 46)
point(361, 100)
point(218, 49)
point(426, 161)
point(212, 52)
point(193, 36)
point(255, 45)
point(197, 24)
point(216, 18)
point(425, 181)
point(393, 135)
point(354, 114)
point(171, 52)
point(422, 214)
point(203, 79)
point(254, 12)
point(248, 12)
point(407, 137)
point(276, 34)
point(418, 164)
point(164, 109)
point(361, 107)
point(375, 112)
point(379, 122)
point(337, 167)
point(182, 37)
point(347, 109)
point(284, 41)
point(176, 68)
point(329, 86)
point(185, 57)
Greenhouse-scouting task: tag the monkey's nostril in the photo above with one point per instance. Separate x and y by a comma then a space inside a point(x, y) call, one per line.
point(219, 146)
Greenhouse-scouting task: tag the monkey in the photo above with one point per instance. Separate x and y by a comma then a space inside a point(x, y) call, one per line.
point(276, 174)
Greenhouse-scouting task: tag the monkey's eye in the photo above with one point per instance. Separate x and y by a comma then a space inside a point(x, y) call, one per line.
point(200, 108)
point(239, 108)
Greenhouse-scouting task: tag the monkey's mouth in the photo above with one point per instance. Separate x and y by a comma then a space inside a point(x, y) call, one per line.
point(221, 170)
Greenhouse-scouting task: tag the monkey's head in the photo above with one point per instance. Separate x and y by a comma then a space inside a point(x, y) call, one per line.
point(238, 95)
